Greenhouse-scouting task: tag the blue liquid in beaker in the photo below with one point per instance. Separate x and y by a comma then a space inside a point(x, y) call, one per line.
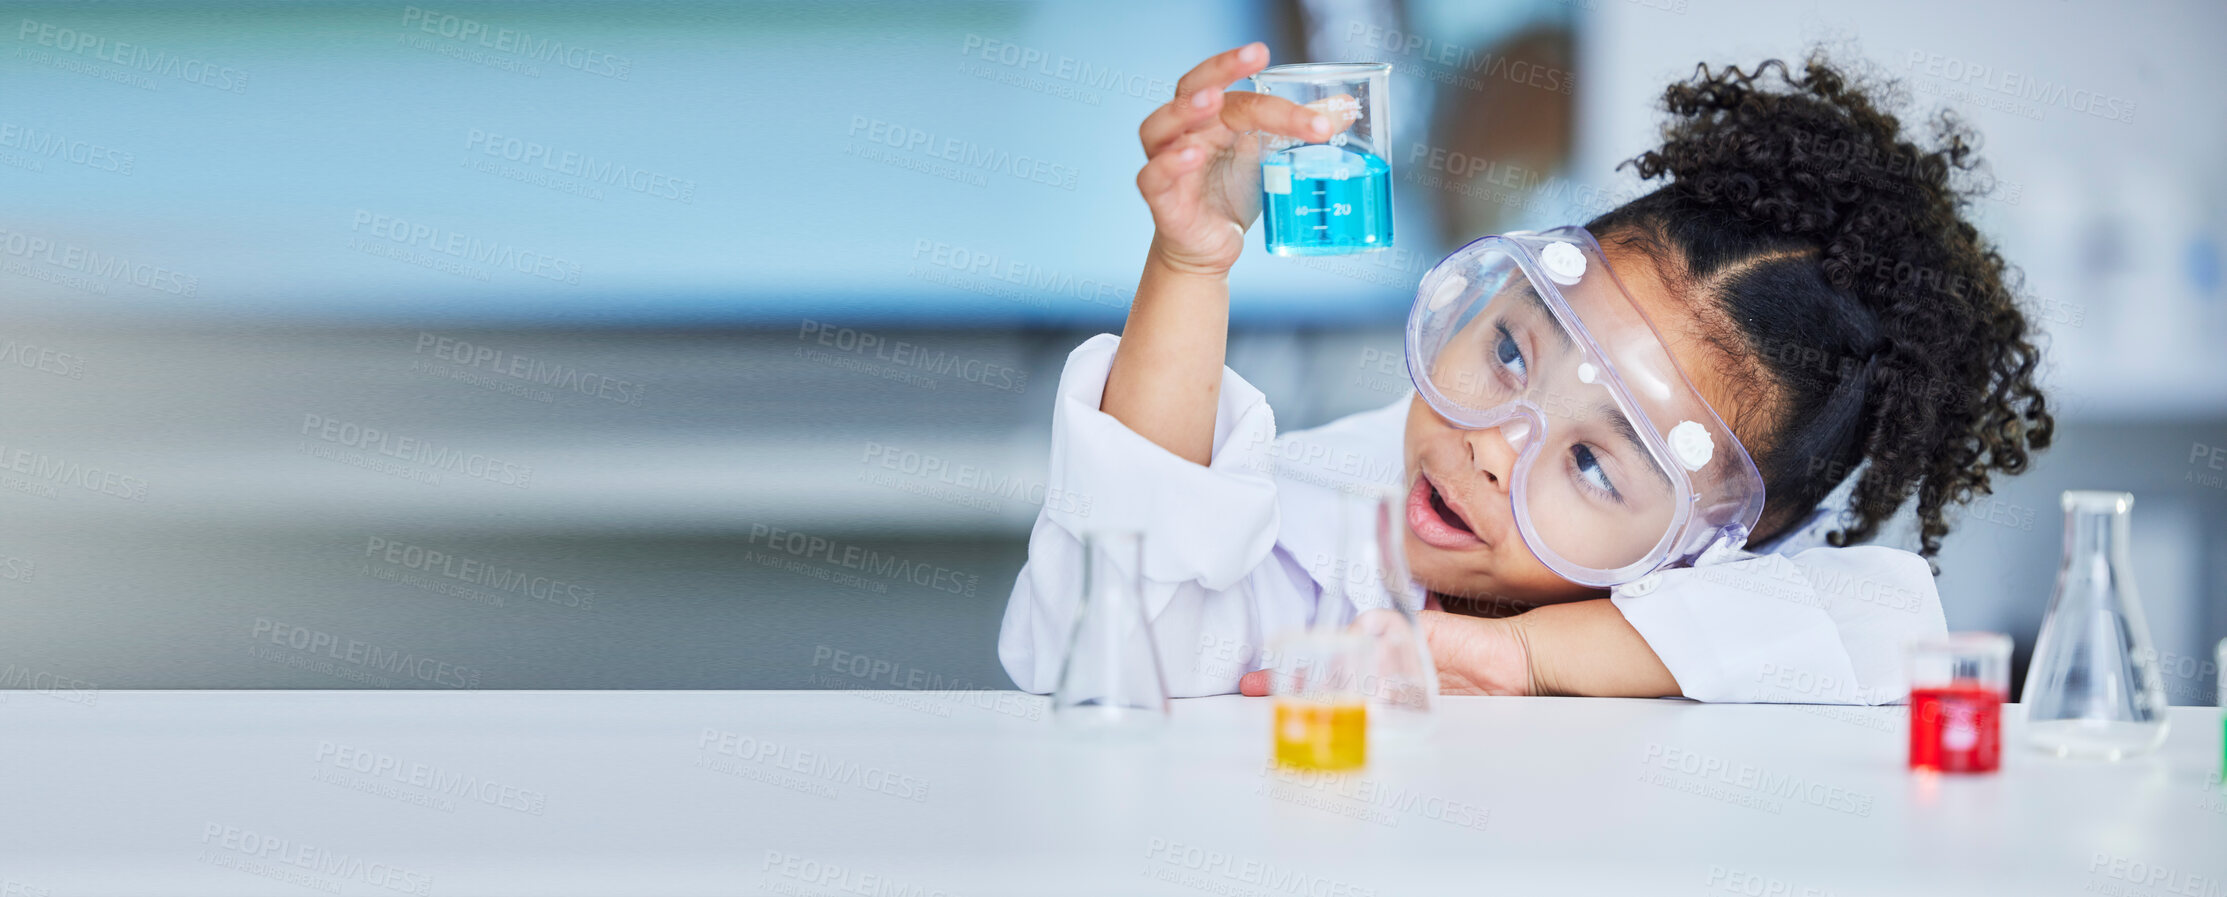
point(1325, 200)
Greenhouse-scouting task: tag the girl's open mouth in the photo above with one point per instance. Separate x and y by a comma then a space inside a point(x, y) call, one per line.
point(1435, 520)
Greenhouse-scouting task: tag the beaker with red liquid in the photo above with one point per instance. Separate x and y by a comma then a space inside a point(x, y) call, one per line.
point(1957, 687)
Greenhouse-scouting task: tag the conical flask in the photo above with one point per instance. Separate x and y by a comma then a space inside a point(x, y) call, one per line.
point(1112, 679)
point(1400, 681)
point(2093, 688)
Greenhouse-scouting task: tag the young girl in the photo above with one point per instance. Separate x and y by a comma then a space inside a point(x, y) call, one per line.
point(1808, 275)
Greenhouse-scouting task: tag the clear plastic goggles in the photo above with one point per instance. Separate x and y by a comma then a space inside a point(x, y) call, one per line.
point(1622, 469)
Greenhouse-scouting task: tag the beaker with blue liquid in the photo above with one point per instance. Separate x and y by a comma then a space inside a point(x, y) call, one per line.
point(1333, 197)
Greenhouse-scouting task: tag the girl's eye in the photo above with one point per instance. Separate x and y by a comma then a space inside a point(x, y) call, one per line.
point(1589, 470)
point(1508, 353)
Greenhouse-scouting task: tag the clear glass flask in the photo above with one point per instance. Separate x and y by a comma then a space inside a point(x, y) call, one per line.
point(1362, 669)
point(1112, 679)
point(1333, 197)
point(1399, 680)
point(2093, 688)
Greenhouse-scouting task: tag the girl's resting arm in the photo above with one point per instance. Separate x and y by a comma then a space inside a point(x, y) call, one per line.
point(1823, 626)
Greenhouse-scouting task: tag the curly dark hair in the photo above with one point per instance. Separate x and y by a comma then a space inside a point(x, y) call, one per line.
point(1869, 327)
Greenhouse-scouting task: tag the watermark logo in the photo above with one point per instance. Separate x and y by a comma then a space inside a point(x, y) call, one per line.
point(791, 875)
point(395, 454)
point(2008, 90)
point(1055, 74)
point(508, 49)
point(2117, 876)
point(992, 274)
point(452, 252)
point(1367, 799)
point(472, 579)
point(34, 472)
point(1739, 881)
point(1224, 873)
point(832, 560)
point(2207, 466)
point(922, 690)
point(529, 377)
point(1511, 186)
point(61, 687)
point(900, 360)
point(415, 782)
point(29, 148)
point(303, 863)
point(1440, 62)
point(788, 766)
point(352, 659)
point(1744, 784)
point(967, 485)
point(126, 62)
point(567, 171)
point(82, 268)
point(41, 358)
point(950, 158)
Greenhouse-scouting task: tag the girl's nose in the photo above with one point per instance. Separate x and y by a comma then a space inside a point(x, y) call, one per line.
point(1493, 450)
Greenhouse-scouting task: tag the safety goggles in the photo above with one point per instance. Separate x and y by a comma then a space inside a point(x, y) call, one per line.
point(1622, 469)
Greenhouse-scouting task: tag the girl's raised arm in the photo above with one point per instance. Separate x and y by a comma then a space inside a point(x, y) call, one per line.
point(1201, 179)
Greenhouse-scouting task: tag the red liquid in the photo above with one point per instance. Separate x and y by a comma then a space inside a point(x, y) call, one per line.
point(1956, 729)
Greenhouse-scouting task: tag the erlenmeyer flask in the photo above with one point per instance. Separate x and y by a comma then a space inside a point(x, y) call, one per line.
point(1112, 679)
point(1399, 680)
point(2093, 688)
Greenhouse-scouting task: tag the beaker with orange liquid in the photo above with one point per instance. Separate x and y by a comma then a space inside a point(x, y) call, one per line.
point(1322, 714)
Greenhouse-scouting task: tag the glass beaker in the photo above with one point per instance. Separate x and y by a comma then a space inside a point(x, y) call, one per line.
point(2093, 688)
point(1332, 197)
point(1399, 680)
point(1957, 687)
point(1112, 679)
point(1322, 719)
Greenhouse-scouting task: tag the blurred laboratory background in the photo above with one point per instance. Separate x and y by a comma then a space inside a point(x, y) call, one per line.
point(678, 345)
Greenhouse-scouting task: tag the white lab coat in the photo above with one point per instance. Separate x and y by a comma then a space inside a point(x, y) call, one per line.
point(1238, 551)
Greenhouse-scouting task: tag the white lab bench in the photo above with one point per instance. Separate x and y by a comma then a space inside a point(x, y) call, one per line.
point(904, 793)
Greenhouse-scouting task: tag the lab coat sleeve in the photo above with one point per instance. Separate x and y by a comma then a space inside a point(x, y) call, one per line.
point(1212, 578)
point(1825, 626)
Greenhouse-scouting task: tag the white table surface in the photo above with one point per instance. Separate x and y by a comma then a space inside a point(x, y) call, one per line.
point(905, 793)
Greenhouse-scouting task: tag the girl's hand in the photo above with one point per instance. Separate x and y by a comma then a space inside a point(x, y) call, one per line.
point(1479, 656)
point(1202, 170)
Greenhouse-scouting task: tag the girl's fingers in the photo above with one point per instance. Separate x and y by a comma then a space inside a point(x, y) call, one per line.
point(1166, 171)
point(1221, 70)
point(1196, 93)
point(1176, 118)
point(1260, 112)
point(1253, 684)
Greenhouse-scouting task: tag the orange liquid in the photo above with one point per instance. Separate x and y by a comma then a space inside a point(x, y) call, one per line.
point(1315, 735)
